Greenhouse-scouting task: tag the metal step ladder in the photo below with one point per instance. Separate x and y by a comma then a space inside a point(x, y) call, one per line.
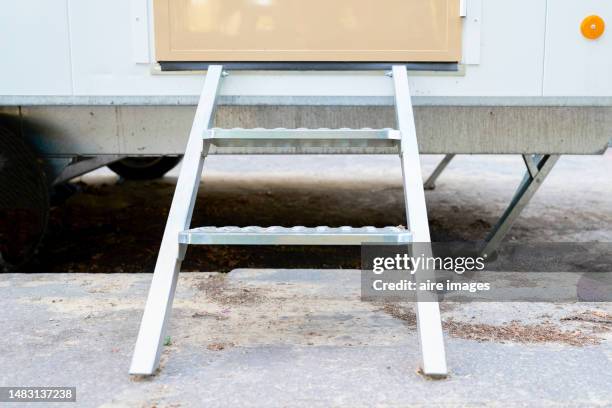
point(204, 140)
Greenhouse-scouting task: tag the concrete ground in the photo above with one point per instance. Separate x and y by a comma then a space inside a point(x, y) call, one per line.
point(279, 337)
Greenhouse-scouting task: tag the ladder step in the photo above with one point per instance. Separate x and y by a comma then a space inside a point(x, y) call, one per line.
point(303, 141)
point(304, 134)
point(293, 236)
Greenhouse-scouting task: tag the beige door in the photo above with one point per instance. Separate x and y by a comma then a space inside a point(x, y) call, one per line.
point(308, 30)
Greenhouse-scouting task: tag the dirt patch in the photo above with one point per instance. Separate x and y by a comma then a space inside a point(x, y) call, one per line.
point(595, 320)
point(219, 346)
point(591, 316)
point(206, 315)
point(399, 312)
point(516, 332)
point(218, 289)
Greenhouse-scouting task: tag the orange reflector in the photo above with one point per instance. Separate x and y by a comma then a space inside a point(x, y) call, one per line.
point(592, 27)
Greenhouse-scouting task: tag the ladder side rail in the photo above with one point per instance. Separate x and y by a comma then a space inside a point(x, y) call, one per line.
point(429, 325)
point(161, 293)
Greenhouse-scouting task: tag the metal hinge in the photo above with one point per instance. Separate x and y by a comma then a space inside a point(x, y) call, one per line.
point(462, 8)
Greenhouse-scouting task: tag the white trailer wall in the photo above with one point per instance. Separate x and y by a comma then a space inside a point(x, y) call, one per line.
point(35, 48)
point(520, 48)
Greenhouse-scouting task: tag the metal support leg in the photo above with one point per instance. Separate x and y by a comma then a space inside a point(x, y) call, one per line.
point(537, 170)
point(85, 166)
point(428, 312)
point(430, 184)
point(161, 294)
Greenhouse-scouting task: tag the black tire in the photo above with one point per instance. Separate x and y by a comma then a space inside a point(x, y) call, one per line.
point(24, 201)
point(144, 168)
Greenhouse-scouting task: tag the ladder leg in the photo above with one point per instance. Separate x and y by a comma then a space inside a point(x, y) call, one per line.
point(161, 294)
point(428, 312)
point(430, 184)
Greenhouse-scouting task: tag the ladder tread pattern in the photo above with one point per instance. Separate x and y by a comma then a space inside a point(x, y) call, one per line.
point(299, 235)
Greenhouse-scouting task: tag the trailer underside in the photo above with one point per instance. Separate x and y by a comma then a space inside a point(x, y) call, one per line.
point(68, 131)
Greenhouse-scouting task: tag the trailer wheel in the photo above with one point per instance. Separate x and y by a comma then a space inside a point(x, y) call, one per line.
point(144, 168)
point(24, 201)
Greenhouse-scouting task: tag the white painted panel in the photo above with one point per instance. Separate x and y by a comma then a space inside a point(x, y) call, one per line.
point(140, 31)
point(103, 59)
point(511, 54)
point(34, 48)
point(471, 32)
point(576, 66)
